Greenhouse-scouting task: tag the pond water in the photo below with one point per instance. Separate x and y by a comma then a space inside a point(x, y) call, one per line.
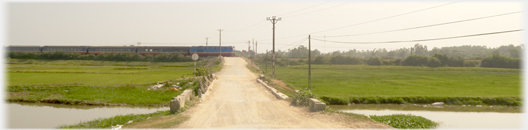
point(449, 117)
point(40, 115)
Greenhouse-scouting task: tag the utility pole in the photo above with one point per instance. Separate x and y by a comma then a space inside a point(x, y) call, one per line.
point(253, 40)
point(220, 42)
point(206, 39)
point(256, 49)
point(309, 63)
point(249, 46)
point(273, 20)
point(249, 49)
point(265, 62)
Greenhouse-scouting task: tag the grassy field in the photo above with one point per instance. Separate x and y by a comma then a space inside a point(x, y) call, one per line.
point(85, 82)
point(87, 95)
point(359, 82)
point(86, 72)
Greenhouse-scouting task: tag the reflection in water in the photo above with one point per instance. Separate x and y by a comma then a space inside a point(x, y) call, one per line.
point(451, 117)
point(40, 115)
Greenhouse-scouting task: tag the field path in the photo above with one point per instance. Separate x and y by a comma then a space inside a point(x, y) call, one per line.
point(238, 101)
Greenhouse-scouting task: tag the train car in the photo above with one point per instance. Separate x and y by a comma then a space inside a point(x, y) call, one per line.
point(111, 49)
point(162, 49)
point(75, 49)
point(23, 48)
point(212, 50)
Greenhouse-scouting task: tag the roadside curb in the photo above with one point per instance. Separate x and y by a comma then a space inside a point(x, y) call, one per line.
point(178, 102)
point(274, 91)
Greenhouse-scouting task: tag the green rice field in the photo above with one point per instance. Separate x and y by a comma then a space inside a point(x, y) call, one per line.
point(360, 80)
point(30, 72)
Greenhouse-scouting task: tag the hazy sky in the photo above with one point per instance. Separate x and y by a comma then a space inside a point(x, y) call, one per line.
point(189, 23)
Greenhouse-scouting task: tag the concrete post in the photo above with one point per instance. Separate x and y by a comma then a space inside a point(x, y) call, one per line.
point(176, 104)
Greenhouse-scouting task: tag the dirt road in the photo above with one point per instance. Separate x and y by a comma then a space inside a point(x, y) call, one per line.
point(238, 101)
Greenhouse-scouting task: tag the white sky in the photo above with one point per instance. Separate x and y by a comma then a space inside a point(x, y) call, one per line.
point(189, 23)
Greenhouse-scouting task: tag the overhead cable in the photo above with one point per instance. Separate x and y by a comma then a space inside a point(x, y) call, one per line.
point(317, 10)
point(303, 9)
point(421, 40)
point(425, 26)
point(375, 20)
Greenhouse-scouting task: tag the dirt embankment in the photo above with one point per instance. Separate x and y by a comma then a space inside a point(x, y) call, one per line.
point(238, 101)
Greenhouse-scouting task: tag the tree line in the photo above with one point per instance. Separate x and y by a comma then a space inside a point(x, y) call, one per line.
point(465, 52)
point(501, 57)
point(59, 55)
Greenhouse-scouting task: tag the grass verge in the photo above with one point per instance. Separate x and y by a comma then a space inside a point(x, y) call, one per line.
point(402, 121)
point(505, 101)
point(124, 119)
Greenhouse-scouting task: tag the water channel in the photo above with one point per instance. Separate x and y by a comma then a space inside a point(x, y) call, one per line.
point(449, 117)
point(40, 115)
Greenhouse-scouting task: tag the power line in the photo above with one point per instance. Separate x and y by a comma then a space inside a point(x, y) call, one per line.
point(246, 28)
point(421, 40)
point(371, 20)
point(277, 15)
point(234, 42)
point(317, 10)
point(295, 43)
point(425, 26)
point(303, 9)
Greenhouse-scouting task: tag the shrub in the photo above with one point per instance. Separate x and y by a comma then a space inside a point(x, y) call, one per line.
point(456, 62)
point(471, 63)
point(498, 61)
point(302, 97)
point(397, 62)
point(415, 60)
point(433, 62)
point(444, 60)
point(374, 61)
point(345, 60)
point(319, 60)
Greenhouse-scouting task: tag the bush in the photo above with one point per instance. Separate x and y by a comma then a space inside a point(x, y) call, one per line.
point(302, 97)
point(433, 62)
point(345, 60)
point(471, 63)
point(374, 61)
point(456, 62)
point(497, 61)
point(397, 62)
point(319, 60)
point(387, 62)
point(415, 60)
point(444, 60)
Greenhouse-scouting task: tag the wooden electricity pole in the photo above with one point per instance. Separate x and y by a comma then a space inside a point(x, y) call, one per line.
point(309, 64)
point(220, 42)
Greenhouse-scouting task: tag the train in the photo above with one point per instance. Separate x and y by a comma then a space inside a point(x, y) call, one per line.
point(144, 50)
